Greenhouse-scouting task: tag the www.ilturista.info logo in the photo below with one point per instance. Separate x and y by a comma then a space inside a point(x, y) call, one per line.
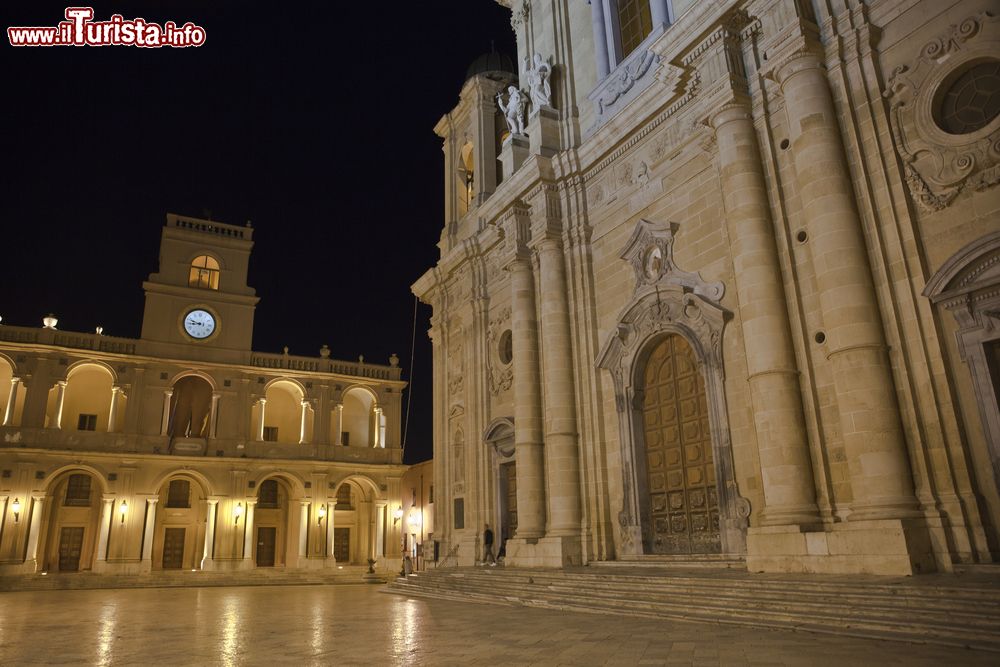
point(79, 29)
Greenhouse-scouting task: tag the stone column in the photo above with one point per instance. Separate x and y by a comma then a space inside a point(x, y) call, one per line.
point(147, 533)
point(209, 553)
point(8, 415)
point(881, 481)
point(31, 552)
point(303, 531)
point(562, 464)
point(248, 532)
point(600, 44)
point(339, 425)
point(113, 413)
point(165, 415)
point(528, 449)
point(213, 416)
point(104, 528)
point(330, 510)
point(302, 421)
point(260, 426)
point(60, 399)
point(379, 430)
point(782, 442)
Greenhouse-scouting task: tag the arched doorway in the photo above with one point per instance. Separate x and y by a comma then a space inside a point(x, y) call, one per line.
point(500, 438)
point(359, 523)
point(681, 510)
point(190, 408)
point(72, 535)
point(179, 531)
point(271, 523)
point(361, 420)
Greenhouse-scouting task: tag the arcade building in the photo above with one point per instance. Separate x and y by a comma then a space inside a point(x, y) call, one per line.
point(185, 449)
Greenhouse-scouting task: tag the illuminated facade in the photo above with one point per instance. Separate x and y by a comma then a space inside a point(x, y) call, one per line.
point(733, 295)
point(185, 449)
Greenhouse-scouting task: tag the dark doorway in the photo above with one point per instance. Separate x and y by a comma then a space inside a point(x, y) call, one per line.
point(342, 544)
point(70, 548)
point(173, 548)
point(266, 539)
point(508, 500)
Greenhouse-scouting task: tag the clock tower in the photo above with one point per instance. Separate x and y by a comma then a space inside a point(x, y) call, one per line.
point(200, 294)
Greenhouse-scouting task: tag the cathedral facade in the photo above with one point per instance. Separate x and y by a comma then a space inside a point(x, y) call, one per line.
point(186, 450)
point(719, 281)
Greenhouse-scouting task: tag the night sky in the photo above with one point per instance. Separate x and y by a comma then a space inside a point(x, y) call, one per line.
point(312, 120)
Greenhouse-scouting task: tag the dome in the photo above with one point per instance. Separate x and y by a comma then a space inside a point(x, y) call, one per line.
point(492, 62)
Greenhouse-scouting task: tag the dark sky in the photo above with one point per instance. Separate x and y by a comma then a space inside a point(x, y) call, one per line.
point(313, 120)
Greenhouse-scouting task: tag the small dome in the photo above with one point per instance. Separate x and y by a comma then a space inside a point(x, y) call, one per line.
point(491, 63)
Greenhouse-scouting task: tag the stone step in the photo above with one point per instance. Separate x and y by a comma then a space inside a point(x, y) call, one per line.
point(954, 616)
point(672, 562)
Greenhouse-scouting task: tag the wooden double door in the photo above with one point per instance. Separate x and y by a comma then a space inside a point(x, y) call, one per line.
point(173, 548)
point(682, 511)
point(70, 548)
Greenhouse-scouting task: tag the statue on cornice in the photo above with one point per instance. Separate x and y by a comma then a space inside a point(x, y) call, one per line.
point(538, 74)
point(513, 111)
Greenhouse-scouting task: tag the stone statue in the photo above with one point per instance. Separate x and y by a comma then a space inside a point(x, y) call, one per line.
point(513, 111)
point(538, 81)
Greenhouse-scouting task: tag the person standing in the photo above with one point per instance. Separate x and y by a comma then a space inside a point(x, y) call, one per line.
point(488, 546)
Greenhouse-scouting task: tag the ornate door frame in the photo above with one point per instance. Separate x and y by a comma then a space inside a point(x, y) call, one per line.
point(499, 437)
point(667, 301)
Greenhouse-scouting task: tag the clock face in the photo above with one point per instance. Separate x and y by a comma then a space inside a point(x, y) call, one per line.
point(199, 323)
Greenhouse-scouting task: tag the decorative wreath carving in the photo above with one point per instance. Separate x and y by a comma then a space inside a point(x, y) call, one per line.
point(938, 165)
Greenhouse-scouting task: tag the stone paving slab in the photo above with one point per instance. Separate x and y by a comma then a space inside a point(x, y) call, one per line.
point(355, 625)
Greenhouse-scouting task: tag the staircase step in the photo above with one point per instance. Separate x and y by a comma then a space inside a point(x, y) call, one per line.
point(954, 612)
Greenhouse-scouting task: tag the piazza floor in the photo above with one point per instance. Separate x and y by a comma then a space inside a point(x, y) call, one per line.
point(355, 625)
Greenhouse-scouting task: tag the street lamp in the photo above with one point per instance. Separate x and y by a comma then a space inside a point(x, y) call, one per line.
point(16, 507)
point(322, 514)
point(123, 509)
point(237, 513)
point(397, 515)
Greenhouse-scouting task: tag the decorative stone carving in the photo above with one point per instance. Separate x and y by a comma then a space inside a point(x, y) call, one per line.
point(625, 79)
point(500, 375)
point(538, 72)
point(513, 110)
point(940, 164)
point(668, 300)
point(968, 285)
point(456, 361)
point(519, 17)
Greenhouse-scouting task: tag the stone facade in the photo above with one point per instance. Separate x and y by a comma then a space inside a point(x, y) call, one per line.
point(736, 295)
point(185, 449)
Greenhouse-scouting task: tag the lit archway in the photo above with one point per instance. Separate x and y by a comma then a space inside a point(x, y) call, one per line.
point(361, 420)
point(179, 529)
point(190, 407)
point(73, 525)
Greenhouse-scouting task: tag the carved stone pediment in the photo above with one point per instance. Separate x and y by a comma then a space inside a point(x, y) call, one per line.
point(942, 156)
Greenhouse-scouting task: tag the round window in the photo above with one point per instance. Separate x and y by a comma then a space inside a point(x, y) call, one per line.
point(505, 348)
point(972, 100)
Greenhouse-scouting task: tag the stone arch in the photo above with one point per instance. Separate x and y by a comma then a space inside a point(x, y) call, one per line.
point(83, 399)
point(195, 475)
point(8, 391)
point(195, 254)
point(968, 286)
point(72, 519)
point(283, 412)
point(669, 301)
point(191, 405)
point(52, 476)
point(359, 530)
point(499, 437)
point(274, 520)
point(360, 416)
point(195, 373)
point(296, 484)
point(179, 529)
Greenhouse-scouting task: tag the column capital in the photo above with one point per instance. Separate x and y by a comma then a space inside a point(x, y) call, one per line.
point(737, 109)
point(212, 501)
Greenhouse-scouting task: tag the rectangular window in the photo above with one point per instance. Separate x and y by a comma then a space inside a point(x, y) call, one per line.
point(344, 497)
point(77, 491)
point(430, 499)
point(86, 423)
point(179, 493)
point(267, 498)
point(634, 23)
point(345, 438)
point(459, 513)
point(270, 434)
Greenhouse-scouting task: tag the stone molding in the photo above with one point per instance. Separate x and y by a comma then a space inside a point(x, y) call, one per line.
point(968, 285)
point(668, 300)
point(938, 165)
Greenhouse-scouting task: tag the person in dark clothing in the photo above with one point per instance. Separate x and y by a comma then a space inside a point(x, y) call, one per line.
point(488, 546)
